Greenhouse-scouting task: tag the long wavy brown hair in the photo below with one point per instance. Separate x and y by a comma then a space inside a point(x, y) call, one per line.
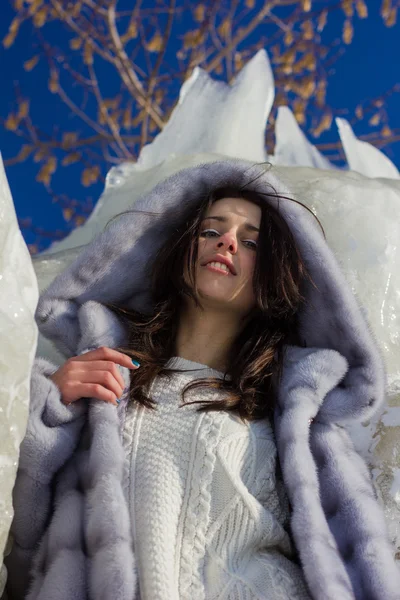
point(256, 356)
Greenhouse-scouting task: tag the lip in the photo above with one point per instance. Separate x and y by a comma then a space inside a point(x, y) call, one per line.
point(223, 260)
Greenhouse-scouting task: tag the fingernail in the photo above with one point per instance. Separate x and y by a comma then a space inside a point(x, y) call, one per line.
point(136, 363)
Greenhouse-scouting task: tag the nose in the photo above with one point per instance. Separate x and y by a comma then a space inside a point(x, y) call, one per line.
point(228, 240)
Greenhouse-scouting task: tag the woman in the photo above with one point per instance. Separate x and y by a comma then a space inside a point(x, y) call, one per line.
point(180, 495)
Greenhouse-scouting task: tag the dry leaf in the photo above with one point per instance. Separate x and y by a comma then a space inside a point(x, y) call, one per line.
point(23, 109)
point(386, 131)
point(250, 3)
point(392, 17)
point(359, 112)
point(53, 82)
point(385, 8)
point(361, 8)
point(79, 220)
point(347, 32)
point(40, 16)
point(308, 29)
point(288, 39)
point(71, 158)
point(67, 213)
point(347, 6)
point(224, 28)
point(324, 124)
point(31, 63)
point(69, 138)
point(12, 32)
point(75, 43)
point(199, 13)
point(12, 122)
point(90, 175)
point(375, 119)
point(88, 53)
point(25, 151)
point(306, 5)
point(156, 43)
point(39, 155)
point(322, 20)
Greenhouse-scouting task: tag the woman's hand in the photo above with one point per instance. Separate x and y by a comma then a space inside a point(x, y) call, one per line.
point(93, 375)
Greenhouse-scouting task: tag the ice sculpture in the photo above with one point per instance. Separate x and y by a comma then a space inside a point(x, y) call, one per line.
point(19, 295)
point(363, 157)
point(292, 147)
point(360, 213)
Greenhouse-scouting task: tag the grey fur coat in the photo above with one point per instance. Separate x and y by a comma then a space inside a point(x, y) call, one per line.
point(71, 531)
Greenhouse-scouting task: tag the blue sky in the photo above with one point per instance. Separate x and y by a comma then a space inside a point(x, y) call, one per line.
point(367, 69)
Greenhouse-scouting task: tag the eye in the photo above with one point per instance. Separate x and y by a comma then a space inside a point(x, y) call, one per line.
point(207, 231)
point(252, 244)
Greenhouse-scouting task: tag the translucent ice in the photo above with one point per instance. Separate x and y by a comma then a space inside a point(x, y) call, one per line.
point(19, 296)
point(363, 157)
point(292, 147)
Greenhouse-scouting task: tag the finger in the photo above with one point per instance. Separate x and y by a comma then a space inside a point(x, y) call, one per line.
point(99, 365)
point(105, 353)
point(96, 390)
point(104, 378)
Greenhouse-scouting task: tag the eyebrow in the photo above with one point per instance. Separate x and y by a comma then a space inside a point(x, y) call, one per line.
point(247, 226)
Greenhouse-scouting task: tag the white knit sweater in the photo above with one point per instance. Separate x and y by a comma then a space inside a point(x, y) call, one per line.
point(207, 514)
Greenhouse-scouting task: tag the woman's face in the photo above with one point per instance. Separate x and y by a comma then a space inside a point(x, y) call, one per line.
point(229, 233)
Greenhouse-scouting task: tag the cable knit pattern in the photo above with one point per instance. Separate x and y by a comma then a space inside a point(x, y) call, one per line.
point(216, 529)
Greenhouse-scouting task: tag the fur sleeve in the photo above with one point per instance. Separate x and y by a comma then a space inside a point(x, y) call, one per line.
point(52, 434)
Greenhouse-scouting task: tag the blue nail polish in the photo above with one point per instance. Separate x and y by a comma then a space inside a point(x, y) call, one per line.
point(136, 363)
point(118, 400)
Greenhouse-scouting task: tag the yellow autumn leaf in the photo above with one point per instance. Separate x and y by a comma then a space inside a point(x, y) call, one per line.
point(31, 63)
point(79, 220)
point(12, 32)
point(40, 16)
point(45, 173)
point(39, 155)
point(359, 112)
point(24, 152)
point(12, 122)
point(155, 44)
point(225, 28)
point(131, 33)
point(199, 13)
point(308, 29)
point(250, 3)
point(375, 119)
point(361, 8)
point(53, 82)
point(348, 31)
point(71, 158)
point(288, 38)
point(306, 5)
point(347, 6)
point(23, 109)
point(69, 138)
point(386, 131)
point(88, 53)
point(385, 8)
point(90, 175)
point(392, 17)
point(239, 62)
point(322, 20)
point(67, 213)
point(75, 43)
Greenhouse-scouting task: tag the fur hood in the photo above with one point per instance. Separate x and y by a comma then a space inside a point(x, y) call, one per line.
point(339, 376)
